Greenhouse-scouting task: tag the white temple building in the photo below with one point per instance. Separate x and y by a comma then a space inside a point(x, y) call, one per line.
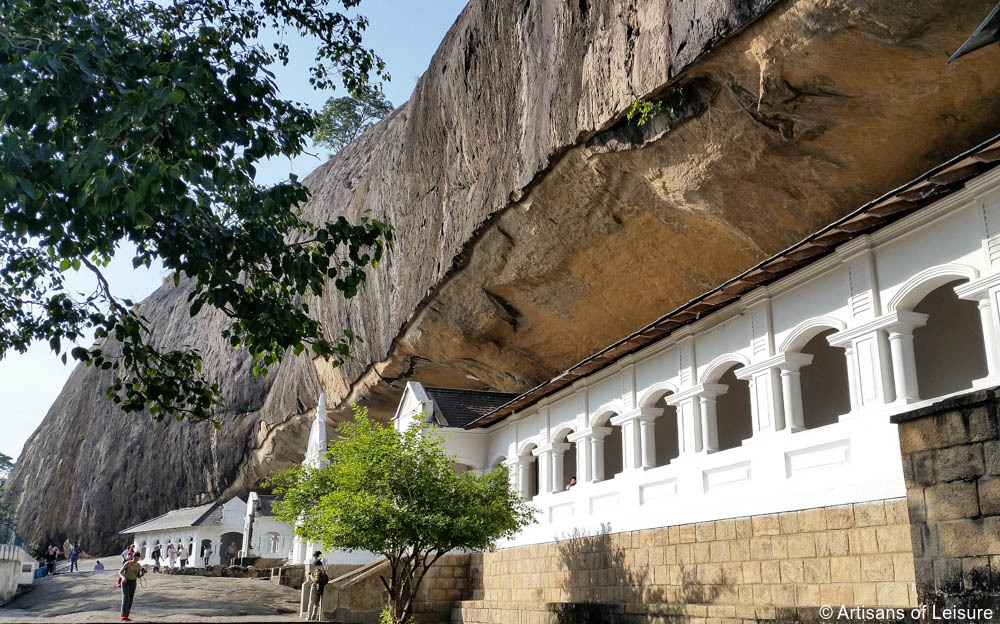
point(772, 392)
point(219, 525)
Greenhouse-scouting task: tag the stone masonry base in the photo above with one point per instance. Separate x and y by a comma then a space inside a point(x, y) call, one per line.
point(777, 566)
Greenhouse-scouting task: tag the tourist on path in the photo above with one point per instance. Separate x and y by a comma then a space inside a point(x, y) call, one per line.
point(127, 554)
point(128, 576)
point(50, 561)
point(182, 555)
point(74, 556)
point(98, 567)
point(231, 553)
point(171, 553)
point(156, 555)
point(319, 579)
point(206, 554)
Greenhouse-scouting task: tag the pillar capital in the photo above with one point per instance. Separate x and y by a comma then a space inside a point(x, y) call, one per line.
point(708, 390)
point(639, 413)
point(895, 321)
point(554, 448)
point(978, 289)
point(788, 360)
point(589, 432)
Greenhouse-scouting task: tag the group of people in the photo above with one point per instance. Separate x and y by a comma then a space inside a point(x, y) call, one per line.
point(54, 553)
point(172, 554)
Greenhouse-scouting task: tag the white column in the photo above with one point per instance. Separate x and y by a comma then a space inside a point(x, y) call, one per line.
point(989, 336)
point(904, 365)
point(597, 435)
point(524, 476)
point(709, 423)
point(791, 394)
point(558, 466)
point(647, 431)
point(583, 460)
point(544, 465)
point(852, 377)
point(597, 458)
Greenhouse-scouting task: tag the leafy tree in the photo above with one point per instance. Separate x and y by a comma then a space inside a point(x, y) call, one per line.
point(6, 507)
point(343, 119)
point(143, 121)
point(397, 494)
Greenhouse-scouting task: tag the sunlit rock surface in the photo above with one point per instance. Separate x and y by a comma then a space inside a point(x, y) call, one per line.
point(535, 225)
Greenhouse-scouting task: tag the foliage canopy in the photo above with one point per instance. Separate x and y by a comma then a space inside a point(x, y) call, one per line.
point(142, 122)
point(397, 494)
point(343, 119)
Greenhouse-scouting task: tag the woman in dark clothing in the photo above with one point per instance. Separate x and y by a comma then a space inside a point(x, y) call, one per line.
point(156, 555)
point(50, 560)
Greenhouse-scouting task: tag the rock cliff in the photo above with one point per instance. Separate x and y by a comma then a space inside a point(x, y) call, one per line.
point(535, 225)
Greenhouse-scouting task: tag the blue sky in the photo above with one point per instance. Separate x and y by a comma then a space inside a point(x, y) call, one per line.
point(404, 32)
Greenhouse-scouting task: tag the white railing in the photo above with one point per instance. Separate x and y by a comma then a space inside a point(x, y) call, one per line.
point(850, 461)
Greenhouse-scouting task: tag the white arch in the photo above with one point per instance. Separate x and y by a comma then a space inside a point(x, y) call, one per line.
point(804, 332)
point(465, 461)
point(605, 412)
point(654, 392)
point(500, 459)
point(525, 449)
point(563, 429)
point(718, 367)
point(918, 286)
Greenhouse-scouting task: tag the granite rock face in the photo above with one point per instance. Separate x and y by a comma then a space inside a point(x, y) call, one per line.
point(535, 225)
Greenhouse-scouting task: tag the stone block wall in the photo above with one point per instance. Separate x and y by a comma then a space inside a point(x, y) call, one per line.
point(759, 567)
point(358, 597)
point(951, 463)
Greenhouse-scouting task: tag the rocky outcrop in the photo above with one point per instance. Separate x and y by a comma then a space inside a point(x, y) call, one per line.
point(535, 225)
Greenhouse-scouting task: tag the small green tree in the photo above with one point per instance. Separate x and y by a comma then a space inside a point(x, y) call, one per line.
point(6, 508)
point(343, 119)
point(397, 494)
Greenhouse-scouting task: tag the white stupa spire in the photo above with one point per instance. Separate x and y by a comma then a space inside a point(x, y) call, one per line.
point(316, 451)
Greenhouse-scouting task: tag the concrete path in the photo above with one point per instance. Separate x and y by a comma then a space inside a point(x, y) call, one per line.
point(89, 596)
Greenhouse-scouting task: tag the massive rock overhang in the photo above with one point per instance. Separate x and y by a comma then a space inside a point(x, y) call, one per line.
point(927, 188)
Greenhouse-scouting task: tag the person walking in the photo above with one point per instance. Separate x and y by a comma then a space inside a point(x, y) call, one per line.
point(128, 577)
point(206, 554)
point(50, 561)
point(74, 556)
point(127, 554)
point(319, 579)
point(171, 554)
point(156, 556)
point(182, 555)
point(231, 553)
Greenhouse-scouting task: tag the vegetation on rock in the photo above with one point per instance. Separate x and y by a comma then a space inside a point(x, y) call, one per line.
point(397, 494)
point(142, 122)
point(6, 507)
point(343, 119)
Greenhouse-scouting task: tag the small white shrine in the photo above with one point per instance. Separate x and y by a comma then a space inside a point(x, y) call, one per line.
point(219, 525)
point(316, 458)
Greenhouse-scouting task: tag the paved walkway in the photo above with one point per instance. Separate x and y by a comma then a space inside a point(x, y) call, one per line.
point(93, 597)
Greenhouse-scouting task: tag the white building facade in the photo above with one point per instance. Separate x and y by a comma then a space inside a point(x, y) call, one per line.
point(220, 526)
point(775, 402)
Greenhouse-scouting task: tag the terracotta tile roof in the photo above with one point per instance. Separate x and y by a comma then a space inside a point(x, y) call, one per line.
point(894, 205)
point(461, 407)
